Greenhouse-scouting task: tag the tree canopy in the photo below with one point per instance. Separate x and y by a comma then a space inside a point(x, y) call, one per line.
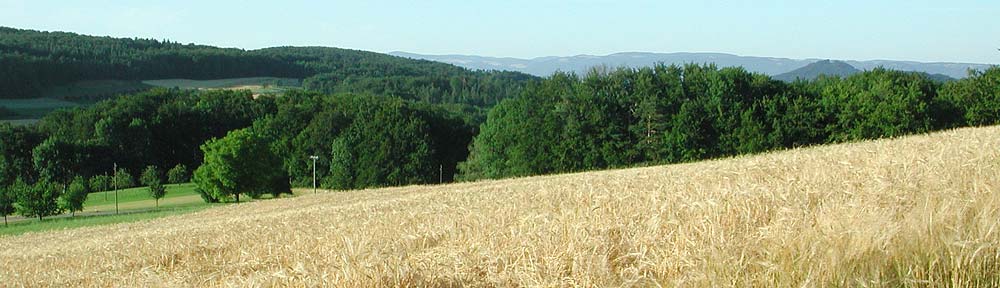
point(178, 174)
point(152, 178)
point(38, 200)
point(240, 163)
point(668, 114)
point(76, 194)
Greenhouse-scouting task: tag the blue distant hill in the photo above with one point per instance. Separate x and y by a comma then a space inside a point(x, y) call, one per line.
point(544, 66)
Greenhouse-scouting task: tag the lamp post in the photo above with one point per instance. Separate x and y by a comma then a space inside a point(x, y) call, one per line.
point(314, 158)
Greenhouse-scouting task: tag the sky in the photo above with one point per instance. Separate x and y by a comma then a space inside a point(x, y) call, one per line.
point(926, 31)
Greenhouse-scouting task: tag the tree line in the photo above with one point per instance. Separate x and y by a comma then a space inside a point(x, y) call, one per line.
point(32, 61)
point(239, 144)
point(669, 114)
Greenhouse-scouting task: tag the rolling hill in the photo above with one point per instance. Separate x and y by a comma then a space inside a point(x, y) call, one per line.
point(33, 62)
point(839, 69)
point(918, 210)
point(544, 66)
point(815, 69)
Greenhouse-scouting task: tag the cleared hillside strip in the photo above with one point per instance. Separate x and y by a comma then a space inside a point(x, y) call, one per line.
point(916, 211)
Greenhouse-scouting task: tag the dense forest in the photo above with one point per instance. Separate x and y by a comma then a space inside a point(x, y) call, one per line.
point(31, 61)
point(670, 114)
point(387, 141)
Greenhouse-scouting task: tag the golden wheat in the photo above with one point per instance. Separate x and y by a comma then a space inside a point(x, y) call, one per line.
point(915, 211)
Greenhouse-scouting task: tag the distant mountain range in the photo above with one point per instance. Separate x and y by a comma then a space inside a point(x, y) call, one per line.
point(544, 66)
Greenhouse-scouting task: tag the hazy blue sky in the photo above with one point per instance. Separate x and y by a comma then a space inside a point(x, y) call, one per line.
point(957, 30)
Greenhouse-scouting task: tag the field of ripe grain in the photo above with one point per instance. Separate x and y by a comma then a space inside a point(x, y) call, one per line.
point(915, 211)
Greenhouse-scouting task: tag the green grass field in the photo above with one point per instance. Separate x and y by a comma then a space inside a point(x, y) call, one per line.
point(180, 195)
point(134, 204)
point(34, 225)
point(34, 108)
point(138, 194)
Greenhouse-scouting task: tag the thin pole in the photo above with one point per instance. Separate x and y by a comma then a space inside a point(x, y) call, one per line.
point(440, 174)
point(314, 175)
point(116, 188)
point(314, 172)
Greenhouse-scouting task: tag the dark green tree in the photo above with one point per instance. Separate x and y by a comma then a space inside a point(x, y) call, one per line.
point(880, 103)
point(796, 120)
point(16, 145)
point(975, 97)
point(385, 145)
point(55, 159)
point(521, 135)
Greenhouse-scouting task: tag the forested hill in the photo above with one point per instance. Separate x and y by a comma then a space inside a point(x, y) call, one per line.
point(816, 69)
point(31, 61)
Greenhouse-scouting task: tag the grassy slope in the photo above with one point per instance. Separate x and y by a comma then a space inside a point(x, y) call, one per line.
point(916, 211)
point(34, 108)
point(134, 203)
point(138, 198)
point(223, 83)
point(32, 225)
point(256, 85)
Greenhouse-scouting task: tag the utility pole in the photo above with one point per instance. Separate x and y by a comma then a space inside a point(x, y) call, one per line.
point(116, 187)
point(314, 158)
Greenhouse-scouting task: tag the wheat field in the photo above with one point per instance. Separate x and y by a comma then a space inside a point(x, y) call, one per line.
point(914, 211)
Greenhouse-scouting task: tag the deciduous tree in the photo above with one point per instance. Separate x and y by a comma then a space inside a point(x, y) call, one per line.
point(38, 200)
point(178, 174)
point(123, 179)
point(240, 163)
point(100, 183)
point(153, 179)
point(75, 196)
